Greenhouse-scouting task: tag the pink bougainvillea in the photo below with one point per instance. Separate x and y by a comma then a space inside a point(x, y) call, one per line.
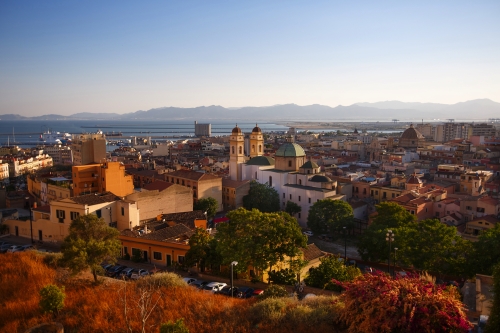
point(379, 303)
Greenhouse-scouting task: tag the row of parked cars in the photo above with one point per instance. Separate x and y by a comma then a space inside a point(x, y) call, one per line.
point(6, 247)
point(125, 273)
point(223, 289)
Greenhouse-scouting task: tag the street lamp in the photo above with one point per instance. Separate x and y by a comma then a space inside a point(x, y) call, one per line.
point(31, 219)
point(395, 259)
point(234, 263)
point(390, 238)
point(345, 246)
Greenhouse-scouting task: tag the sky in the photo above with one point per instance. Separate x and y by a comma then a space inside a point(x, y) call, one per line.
point(64, 57)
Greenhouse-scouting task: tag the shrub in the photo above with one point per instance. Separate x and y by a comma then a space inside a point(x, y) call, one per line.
point(174, 327)
point(379, 303)
point(53, 259)
point(52, 298)
point(269, 310)
point(274, 291)
point(284, 276)
point(162, 280)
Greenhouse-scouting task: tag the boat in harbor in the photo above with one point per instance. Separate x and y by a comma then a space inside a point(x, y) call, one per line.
point(50, 137)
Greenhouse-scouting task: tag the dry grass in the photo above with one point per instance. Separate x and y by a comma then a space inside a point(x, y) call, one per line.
point(101, 308)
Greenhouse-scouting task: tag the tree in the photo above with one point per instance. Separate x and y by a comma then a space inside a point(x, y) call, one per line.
point(262, 197)
point(372, 245)
point(90, 242)
point(330, 216)
point(494, 319)
point(209, 205)
point(392, 215)
point(486, 253)
point(331, 268)
point(378, 303)
point(199, 249)
point(431, 246)
point(258, 240)
point(292, 208)
point(52, 298)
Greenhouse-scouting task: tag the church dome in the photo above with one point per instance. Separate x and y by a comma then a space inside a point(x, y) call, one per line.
point(320, 179)
point(411, 134)
point(261, 160)
point(290, 150)
point(309, 165)
point(256, 129)
point(236, 130)
point(413, 179)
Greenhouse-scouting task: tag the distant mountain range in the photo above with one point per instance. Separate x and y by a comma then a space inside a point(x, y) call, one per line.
point(479, 109)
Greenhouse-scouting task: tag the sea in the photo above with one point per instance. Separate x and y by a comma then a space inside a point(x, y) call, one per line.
point(27, 132)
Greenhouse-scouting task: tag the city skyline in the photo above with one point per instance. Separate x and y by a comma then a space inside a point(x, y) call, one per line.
point(65, 58)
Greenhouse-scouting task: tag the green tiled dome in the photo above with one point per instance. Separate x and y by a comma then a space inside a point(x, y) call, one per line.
point(290, 150)
point(261, 160)
point(320, 179)
point(309, 165)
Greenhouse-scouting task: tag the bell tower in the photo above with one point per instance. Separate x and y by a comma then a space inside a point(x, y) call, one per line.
point(236, 153)
point(256, 142)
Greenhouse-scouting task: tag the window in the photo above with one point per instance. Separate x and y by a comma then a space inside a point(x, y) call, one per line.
point(393, 195)
point(412, 212)
point(60, 214)
point(290, 197)
point(376, 192)
point(74, 215)
point(309, 200)
point(468, 207)
point(240, 150)
point(300, 181)
point(123, 211)
point(232, 149)
point(480, 210)
point(256, 175)
point(180, 259)
point(270, 181)
point(283, 195)
point(157, 255)
point(260, 148)
point(299, 215)
point(253, 148)
point(136, 252)
point(125, 250)
point(299, 197)
point(437, 214)
point(289, 163)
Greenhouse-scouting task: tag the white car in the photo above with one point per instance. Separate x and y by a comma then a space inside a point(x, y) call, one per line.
point(214, 287)
point(189, 280)
point(308, 233)
point(15, 248)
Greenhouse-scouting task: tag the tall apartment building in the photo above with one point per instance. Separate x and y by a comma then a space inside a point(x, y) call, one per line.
point(99, 178)
point(202, 129)
point(88, 148)
point(483, 130)
point(60, 154)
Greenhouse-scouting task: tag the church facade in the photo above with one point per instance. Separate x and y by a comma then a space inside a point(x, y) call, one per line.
point(294, 177)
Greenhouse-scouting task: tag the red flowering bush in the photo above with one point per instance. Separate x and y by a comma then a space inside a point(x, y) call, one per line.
point(379, 303)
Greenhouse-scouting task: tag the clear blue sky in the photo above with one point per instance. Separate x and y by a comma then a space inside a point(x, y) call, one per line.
point(121, 56)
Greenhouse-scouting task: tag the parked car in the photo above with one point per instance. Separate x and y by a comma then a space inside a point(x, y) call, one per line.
point(352, 262)
point(199, 284)
point(27, 247)
point(15, 248)
point(189, 280)
point(112, 272)
point(308, 233)
point(245, 292)
point(257, 292)
point(226, 291)
point(138, 274)
point(125, 274)
point(214, 287)
point(5, 247)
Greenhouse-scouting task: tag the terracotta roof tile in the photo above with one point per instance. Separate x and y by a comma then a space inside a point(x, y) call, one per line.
point(312, 252)
point(159, 185)
point(95, 199)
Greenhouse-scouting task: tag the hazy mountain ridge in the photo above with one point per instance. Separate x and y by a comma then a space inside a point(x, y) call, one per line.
point(383, 111)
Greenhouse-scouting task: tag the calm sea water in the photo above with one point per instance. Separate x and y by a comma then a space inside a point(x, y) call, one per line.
point(30, 130)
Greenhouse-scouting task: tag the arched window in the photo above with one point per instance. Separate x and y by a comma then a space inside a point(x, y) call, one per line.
point(232, 149)
point(260, 148)
point(253, 148)
point(300, 181)
point(289, 163)
point(240, 150)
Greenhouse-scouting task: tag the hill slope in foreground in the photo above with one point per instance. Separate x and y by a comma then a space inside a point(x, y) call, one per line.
point(117, 306)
